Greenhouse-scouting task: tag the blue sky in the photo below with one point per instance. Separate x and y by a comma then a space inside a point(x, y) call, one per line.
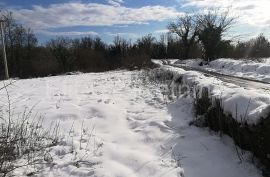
point(129, 18)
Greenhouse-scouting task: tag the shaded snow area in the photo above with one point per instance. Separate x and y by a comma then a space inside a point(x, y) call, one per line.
point(113, 125)
point(242, 68)
point(245, 105)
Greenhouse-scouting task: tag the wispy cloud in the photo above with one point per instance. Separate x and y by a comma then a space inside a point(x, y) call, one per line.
point(161, 31)
point(252, 12)
point(115, 2)
point(130, 35)
point(90, 14)
point(67, 33)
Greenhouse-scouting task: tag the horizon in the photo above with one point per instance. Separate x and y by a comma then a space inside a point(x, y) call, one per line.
point(130, 20)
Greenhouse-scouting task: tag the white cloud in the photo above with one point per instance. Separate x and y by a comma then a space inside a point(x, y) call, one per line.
point(90, 14)
point(251, 12)
point(68, 33)
point(115, 2)
point(162, 31)
point(131, 35)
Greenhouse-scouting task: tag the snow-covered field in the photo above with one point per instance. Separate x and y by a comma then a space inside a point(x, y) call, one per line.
point(115, 126)
point(243, 68)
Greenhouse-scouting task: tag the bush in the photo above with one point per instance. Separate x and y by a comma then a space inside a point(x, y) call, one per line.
point(24, 141)
point(137, 61)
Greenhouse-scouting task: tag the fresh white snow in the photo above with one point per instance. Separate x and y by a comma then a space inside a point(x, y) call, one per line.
point(116, 126)
point(252, 69)
point(248, 105)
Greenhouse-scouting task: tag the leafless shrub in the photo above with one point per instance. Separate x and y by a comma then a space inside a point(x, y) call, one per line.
point(23, 141)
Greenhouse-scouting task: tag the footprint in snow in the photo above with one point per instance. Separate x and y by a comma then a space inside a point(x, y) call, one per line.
point(107, 101)
point(59, 94)
point(87, 93)
point(134, 125)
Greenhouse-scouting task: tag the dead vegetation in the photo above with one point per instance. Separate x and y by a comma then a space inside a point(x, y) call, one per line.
point(23, 140)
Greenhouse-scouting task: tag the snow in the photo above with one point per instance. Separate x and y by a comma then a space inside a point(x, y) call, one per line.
point(190, 62)
point(253, 69)
point(248, 104)
point(116, 126)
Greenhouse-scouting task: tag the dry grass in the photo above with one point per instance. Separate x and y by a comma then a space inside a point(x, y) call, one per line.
point(23, 140)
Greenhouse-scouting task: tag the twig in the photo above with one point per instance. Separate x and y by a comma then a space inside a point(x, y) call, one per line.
point(81, 135)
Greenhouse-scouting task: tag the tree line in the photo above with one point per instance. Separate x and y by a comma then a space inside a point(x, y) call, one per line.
point(206, 32)
point(190, 36)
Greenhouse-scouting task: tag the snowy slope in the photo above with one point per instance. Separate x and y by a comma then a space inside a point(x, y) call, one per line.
point(242, 68)
point(125, 128)
point(252, 104)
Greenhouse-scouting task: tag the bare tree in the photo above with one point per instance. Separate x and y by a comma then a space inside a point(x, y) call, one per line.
point(260, 47)
point(186, 27)
point(120, 46)
point(19, 42)
point(60, 48)
point(146, 43)
point(211, 28)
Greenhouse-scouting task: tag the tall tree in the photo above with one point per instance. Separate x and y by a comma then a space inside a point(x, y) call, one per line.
point(20, 42)
point(212, 27)
point(186, 27)
point(260, 47)
point(60, 48)
point(146, 44)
